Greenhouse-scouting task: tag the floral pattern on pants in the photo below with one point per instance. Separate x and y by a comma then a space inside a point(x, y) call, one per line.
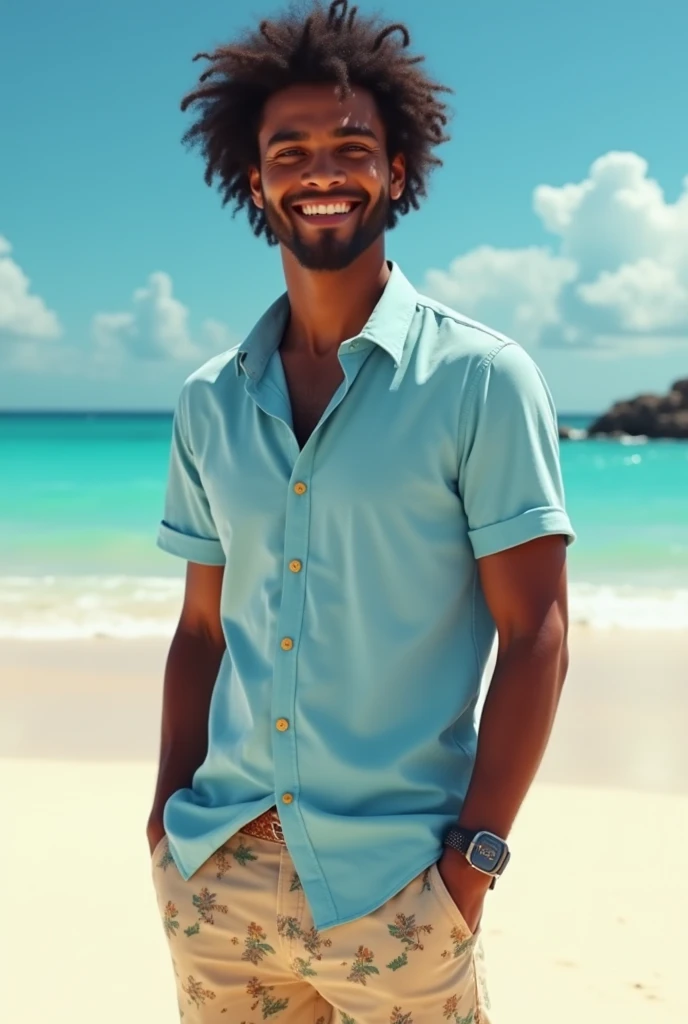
point(245, 949)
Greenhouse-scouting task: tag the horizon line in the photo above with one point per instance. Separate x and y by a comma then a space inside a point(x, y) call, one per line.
point(83, 413)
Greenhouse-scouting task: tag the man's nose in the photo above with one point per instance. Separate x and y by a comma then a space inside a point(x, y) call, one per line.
point(323, 173)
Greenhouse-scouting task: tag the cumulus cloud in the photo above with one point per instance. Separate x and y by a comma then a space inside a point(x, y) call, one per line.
point(156, 328)
point(22, 314)
point(617, 282)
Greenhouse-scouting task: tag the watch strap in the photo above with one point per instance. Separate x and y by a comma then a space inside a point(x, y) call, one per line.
point(460, 838)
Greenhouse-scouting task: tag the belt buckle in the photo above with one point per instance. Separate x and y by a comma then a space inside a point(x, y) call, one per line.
point(277, 832)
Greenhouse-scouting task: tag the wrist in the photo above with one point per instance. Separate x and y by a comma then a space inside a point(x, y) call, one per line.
point(483, 851)
point(460, 867)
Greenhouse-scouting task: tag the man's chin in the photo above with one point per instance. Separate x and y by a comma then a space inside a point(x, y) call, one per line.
point(324, 257)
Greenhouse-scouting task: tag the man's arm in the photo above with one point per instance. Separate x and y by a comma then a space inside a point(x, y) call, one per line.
point(192, 666)
point(526, 592)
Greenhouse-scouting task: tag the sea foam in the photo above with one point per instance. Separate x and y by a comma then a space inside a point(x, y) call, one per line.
point(129, 607)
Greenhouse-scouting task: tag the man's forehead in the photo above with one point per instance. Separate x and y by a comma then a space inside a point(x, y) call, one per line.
point(305, 106)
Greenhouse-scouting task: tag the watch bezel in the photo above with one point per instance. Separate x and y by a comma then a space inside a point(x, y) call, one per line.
point(504, 856)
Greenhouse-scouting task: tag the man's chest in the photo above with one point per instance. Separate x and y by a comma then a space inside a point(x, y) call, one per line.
point(378, 455)
point(310, 386)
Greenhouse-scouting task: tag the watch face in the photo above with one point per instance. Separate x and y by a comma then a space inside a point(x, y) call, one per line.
point(487, 852)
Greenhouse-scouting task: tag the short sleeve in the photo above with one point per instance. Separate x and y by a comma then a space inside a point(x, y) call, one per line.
point(509, 473)
point(187, 529)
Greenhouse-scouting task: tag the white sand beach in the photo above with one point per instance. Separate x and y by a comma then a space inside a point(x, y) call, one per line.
point(590, 923)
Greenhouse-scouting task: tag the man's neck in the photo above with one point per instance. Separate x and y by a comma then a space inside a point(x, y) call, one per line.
point(327, 307)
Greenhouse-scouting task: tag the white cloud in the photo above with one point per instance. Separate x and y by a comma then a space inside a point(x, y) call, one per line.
point(157, 328)
point(22, 315)
point(617, 282)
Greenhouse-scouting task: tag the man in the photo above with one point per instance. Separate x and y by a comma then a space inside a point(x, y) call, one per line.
point(367, 492)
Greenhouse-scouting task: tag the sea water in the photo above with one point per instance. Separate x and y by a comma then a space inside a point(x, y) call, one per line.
point(81, 497)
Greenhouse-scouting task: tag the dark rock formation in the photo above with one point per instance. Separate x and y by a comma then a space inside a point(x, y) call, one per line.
point(571, 433)
point(650, 415)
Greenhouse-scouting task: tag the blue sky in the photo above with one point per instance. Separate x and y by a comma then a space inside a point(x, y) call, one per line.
point(560, 216)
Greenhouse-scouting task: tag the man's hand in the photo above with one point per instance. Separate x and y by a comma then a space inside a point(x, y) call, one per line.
point(465, 884)
point(155, 832)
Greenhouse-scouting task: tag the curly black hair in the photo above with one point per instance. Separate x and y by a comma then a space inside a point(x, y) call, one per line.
point(313, 45)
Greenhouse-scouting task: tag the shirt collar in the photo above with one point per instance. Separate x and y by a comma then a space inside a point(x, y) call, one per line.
point(387, 326)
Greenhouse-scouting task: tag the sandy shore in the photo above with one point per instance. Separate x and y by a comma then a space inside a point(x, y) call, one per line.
point(588, 924)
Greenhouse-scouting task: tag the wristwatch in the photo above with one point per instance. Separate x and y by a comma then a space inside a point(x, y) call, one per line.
point(483, 850)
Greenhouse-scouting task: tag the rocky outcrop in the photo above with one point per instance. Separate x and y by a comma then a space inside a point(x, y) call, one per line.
point(568, 433)
point(656, 416)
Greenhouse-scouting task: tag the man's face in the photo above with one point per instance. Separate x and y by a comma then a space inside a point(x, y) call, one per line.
point(325, 182)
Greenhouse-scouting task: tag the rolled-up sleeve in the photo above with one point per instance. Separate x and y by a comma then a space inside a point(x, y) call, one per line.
point(509, 477)
point(187, 528)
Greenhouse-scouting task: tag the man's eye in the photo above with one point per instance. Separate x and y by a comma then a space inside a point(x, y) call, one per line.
point(290, 152)
point(354, 148)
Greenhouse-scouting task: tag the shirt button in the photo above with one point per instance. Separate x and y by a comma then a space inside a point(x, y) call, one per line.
point(295, 566)
point(287, 798)
point(286, 643)
point(300, 487)
point(282, 724)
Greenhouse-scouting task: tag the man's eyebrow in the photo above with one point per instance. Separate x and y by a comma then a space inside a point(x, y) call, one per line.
point(348, 130)
point(287, 135)
point(344, 132)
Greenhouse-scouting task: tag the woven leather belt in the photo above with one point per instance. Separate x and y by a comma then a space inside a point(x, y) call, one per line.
point(266, 826)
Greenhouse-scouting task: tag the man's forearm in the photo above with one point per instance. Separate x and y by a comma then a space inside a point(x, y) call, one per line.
point(190, 673)
point(515, 728)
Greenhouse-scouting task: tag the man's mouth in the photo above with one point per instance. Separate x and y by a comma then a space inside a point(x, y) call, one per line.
point(326, 214)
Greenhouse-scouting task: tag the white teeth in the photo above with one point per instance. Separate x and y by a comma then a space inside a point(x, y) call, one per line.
point(323, 210)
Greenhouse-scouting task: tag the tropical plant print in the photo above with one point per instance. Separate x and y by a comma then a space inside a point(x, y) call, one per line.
point(195, 991)
point(261, 994)
point(463, 941)
point(314, 943)
point(414, 940)
point(452, 1014)
point(363, 966)
point(169, 920)
point(223, 858)
point(166, 857)
point(289, 928)
point(255, 945)
point(303, 968)
point(408, 932)
point(206, 906)
point(398, 962)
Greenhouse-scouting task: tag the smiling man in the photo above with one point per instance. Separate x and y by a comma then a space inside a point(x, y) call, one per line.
point(367, 493)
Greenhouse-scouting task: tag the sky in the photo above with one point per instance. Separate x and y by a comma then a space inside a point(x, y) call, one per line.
point(559, 216)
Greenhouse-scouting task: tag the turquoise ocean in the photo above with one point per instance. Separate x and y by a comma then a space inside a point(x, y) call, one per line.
point(81, 497)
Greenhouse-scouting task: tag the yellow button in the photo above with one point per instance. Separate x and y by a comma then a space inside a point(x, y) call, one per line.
point(282, 724)
point(287, 643)
point(300, 487)
point(295, 566)
point(287, 798)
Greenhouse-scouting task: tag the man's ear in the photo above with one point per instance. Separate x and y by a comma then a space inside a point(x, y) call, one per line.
point(397, 174)
point(256, 187)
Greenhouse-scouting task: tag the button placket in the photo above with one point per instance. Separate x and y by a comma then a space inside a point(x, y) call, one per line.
point(290, 626)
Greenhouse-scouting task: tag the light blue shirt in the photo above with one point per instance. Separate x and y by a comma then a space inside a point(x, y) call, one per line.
point(357, 631)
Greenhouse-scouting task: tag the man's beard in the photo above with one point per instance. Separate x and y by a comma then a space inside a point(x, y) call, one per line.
point(328, 252)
